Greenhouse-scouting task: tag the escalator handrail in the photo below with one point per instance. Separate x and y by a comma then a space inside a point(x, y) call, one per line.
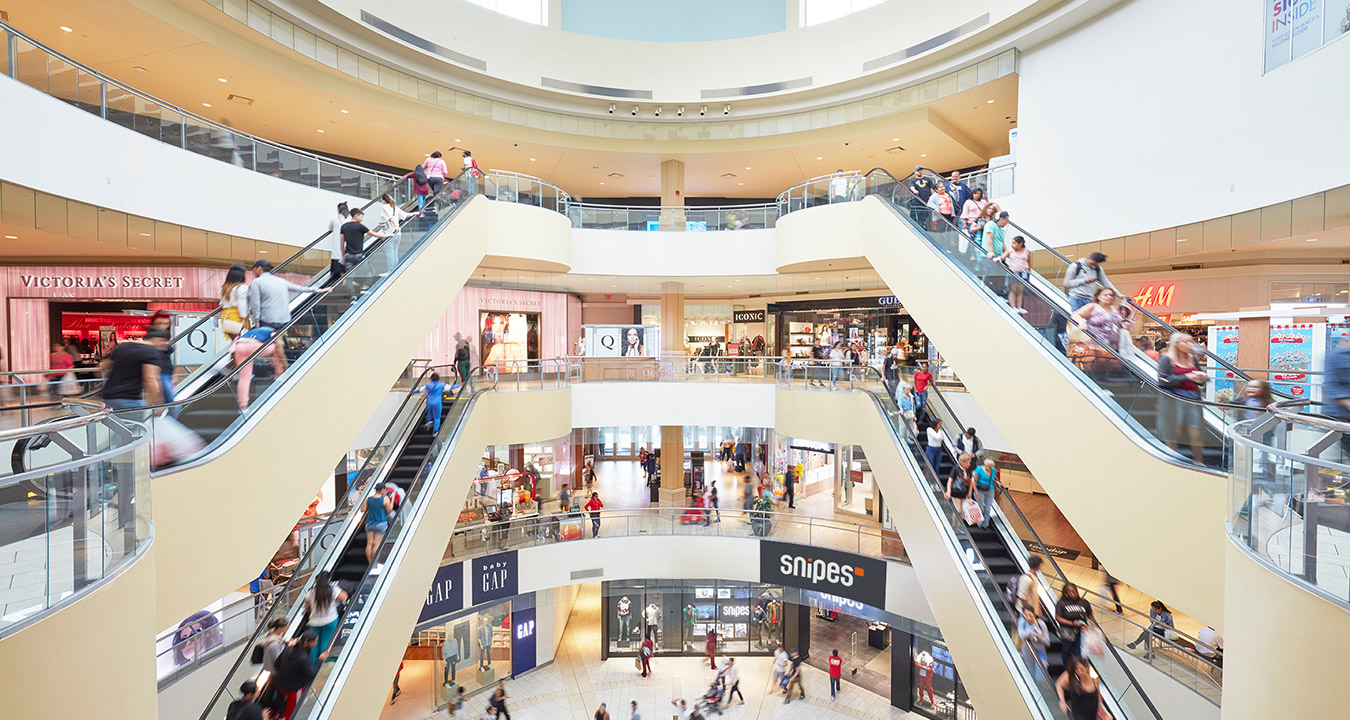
point(1134, 682)
point(96, 411)
point(284, 590)
point(1130, 301)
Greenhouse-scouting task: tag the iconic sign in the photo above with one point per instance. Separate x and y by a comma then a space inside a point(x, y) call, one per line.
point(446, 594)
point(811, 568)
point(494, 577)
point(748, 316)
point(523, 642)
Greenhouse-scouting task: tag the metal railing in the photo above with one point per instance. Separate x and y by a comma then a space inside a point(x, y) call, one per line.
point(48, 71)
point(688, 218)
point(523, 189)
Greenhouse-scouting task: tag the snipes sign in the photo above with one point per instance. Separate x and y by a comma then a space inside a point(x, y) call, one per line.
point(811, 568)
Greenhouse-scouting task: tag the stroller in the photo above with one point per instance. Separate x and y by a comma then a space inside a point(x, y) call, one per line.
point(711, 702)
point(693, 515)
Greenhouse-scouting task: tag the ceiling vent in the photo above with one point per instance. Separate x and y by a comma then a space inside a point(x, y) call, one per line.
point(616, 175)
point(4, 16)
point(895, 150)
point(239, 99)
point(728, 176)
point(1194, 266)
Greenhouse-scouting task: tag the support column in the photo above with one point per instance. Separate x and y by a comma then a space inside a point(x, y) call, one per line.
point(672, 466)
point(672, 326)
point(672, 194)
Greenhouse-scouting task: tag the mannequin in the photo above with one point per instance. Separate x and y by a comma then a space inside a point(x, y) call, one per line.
point(453, 650)
point(925, 664)
point(625, 618)
point(690, 615)
point(651, 617)
point(773, 619)
point(484, 642)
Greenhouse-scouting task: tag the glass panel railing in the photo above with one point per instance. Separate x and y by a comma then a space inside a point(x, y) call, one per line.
point(843, 186)
point(78, 513)
point(48, 71)
point(687, 218)
point(1289, 497)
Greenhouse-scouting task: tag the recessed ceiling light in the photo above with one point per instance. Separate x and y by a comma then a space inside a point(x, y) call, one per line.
point(924, 155)
point(988, 102)
point(458, 140)
point(11, 237)
point(221, 80)
point(895, 139)
point(344, 112)
point(531, 159)
point(145, 234)
point(1312, 240)
point(817, 278)
point(206, 104)
point(747, 167)
point(602, 182)
point(819, 157)
point(320, 129)
point(1182, 239)
point(63, 27)
point(264, 252)
point(740, 183)
point(138, 68)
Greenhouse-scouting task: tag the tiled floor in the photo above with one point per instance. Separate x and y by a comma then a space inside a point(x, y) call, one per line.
point(575, 684)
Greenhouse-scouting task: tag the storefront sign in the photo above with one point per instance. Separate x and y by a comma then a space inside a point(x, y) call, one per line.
point(523, 642)
point(811, 568)
point(1155, 296)
point(748, 316)
point(829, 602)
point(888, 300)
point(494, 577)
point(1291, 354)
point(1054, 551)
point(696, 339)
point(446, 594)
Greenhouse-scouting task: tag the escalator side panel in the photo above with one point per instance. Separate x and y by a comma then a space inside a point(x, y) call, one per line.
point(494, 419)
point(1156, 525)
point(219, 522)
point(853, 418)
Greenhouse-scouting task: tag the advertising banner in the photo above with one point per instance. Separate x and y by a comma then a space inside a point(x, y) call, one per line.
point(1277, 20)
point(1223, 340)
point(622, 340)
point(494, 577)
point(1306, 26)
point(811, 568)
point(1338, 336)
point(523, 655)
point(508, 336)
point(1291, 353)
point(446, 594)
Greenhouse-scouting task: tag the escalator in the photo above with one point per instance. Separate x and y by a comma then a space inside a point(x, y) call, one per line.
point(1102, 397)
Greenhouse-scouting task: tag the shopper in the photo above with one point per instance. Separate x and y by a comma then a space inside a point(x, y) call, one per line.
point(1079, 693)
point(421, 188)
point(992, 243)
point(242, 349)
point(971, 445)
point(710, 648)
point(354, 233)
point(378, 506)
point(634, 715)
point(269, 297)
point(335, 223)
point(890, 371)
point(132, 372)
point(712, 502)
point(837, 369)
point(273, 643)
point(1083, 278)
point(1035, 639)
point(391, 225)
point(247, 706)
point(731, 679)
point(1017, 258)
point(790, 486)
point(922, 379)
point(959, 192)
point(839, 186)
point(499, 700)
point(921, 187)
point(1029, 587)
point(941, 203)
point(1180, 418)
point(794, 677)
point(393, 697)
point(1209, 645)
point(1072, 613)
point(780, 666)
point(602, 712)
point(322, 604)
point(435, 391)
point(986, 485)
point(645, 653)
point(471, 173)
point(593, 507)
point(936, 439)
point(234, 301)
point(1101, 321)
point(437, 171)
point(1160, 621)
point(462, 359)
point(1257, 396)
point(1336, 389)
point(296, 670)
point(61, 362)
point(836, 672)
point(971, 210)
point(906, 405)
point(958, 482)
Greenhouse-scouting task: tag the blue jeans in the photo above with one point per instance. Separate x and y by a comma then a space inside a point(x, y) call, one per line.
point(986, 502)
point(127, 404)
point(934, 455)
point(834, 686)
point(1076, 302)
point(434, 416)
point(920, 403)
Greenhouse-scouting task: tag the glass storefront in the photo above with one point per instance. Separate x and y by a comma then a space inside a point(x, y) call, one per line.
point(938, 691)
point(678, 614)
point(471, 650)
point(872, 324)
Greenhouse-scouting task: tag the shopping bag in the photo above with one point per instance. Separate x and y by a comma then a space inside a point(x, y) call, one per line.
point(171, 441)
point(1094, 642)
point(970, 512)
point(637, 663)
point(68, 385)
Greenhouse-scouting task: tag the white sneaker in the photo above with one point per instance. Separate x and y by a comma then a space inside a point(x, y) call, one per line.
point(1021, 311)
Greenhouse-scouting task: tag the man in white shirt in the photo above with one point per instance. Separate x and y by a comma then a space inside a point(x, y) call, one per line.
point(837, 369)
point(838, 187)
point(780, 665)
point(636, 715)
point(731, 678)
point(1209, 645)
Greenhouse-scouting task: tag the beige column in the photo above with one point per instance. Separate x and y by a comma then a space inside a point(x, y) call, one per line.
point(672, 466)
point(672, 319)
point(672, 194)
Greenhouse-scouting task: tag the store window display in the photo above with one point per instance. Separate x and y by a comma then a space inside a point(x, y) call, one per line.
point(678, 615)
point(471, 650)
point(938, 691)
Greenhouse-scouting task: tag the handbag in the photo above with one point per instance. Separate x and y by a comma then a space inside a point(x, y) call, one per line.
point(231, 327)
point(1094, 642)
point(970, 512)
point(637, 663)
point(68, 385)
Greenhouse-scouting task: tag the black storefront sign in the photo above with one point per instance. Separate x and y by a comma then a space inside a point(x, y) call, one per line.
point(811, 568)
point(494, 577)
point(747, 316)
point(446, 594)
point(887, 301)
point(1054, 551)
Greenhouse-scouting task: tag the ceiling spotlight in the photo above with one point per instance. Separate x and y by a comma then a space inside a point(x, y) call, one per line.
point(206, 104)
point(531, 159)
point(989, 102)
point(602, 182)
point(726, 110)
point(458, 140)
point(658, 111)
point(924, 155)
point(819, 157)
point(680, 112)
point(895, 139)
point(704, 111)
point(344, 112)
point(63, 27)
point(320, 129)
point(611, 108)
point(747, 167)
point(11, 237)
point(635, 110)
point(221, 80)
point(740, 183)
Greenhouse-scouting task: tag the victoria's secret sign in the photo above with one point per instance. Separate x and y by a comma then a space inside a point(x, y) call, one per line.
point(102, 282)
point(117, 283)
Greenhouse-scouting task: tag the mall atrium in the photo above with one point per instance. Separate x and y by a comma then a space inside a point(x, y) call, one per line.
point(625, 359)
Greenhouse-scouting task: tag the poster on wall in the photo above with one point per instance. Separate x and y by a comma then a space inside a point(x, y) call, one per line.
point(1223, 341)
point(622, 340)
point(1276, 16)
point(1305, 32)
point(1291, 354)
point(1338, 336)
point(508, 337)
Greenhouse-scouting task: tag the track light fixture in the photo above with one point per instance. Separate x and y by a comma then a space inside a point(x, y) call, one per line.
point(726, 110)
point(680, 112)
point(658, 111)
point(635, 109)
point(611, 108)
point(704, 111)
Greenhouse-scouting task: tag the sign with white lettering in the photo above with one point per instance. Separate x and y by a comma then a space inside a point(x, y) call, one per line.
point(748, 316)
point(523, 641)
point(494, 577)
point(828, 602)
point(811, 568)
point(446, 594)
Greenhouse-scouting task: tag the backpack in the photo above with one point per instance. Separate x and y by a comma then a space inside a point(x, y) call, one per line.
point(1010, 591)
point(256, 655)
point(420, 175)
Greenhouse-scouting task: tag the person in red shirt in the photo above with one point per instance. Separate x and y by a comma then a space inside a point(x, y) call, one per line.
point(648, 647)
point(712, 649)
point(836, 672)
point(921, 380)
point(593, 507)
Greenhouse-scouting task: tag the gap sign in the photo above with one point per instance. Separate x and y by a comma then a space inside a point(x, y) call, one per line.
point(446, 594)
point(811, 568)
point(494, 577)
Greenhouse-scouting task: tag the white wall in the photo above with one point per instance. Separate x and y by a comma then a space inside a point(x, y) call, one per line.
point(554, 609)
point(601, 404)
point(634, 252)
point(1156, 114)
point(57, 148)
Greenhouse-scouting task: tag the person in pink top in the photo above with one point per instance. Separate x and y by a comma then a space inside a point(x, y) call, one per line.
point(436, 172)
point(62, 362)
point(974, 206)
point(1017, 259)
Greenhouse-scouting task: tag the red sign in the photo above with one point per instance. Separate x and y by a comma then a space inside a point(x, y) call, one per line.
point(1155, 295)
